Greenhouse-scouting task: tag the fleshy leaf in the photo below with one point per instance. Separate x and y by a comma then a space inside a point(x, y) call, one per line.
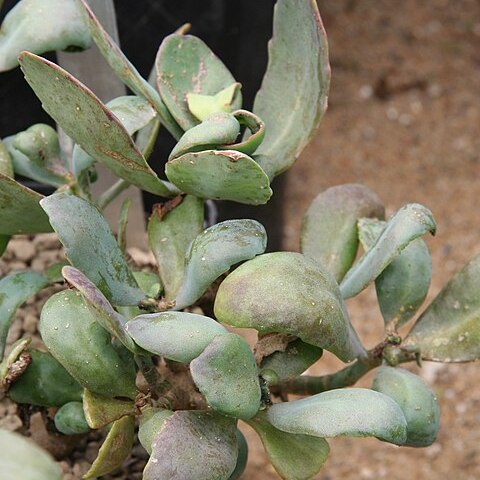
point(171, 229)
point(101, 411)
point(410, 222)
point(6, 165)
point(70, 419)
point(151, 422)
point(448, 330)
point(20, 211)
point(287, 292)
point(193, 444)
point(403, 285)
point(220, 175)
point(36, 26)
point(91, 247)
point(356, 412)
point(186, 65)
point(125, 71)
point(417, 401)
point(329, 229)
point(202, 106)
point(109, 319)
point(227, 375)
point(16, 289)
point(293, 95)
point(115, 449)
point(23, 459)
point(45, 383)
point(178, 336)
point(150, 283)
point(134, 114)
point(255, 132)
point(89, 123)
point(294, 456)
point(217, 130)
point(296, 358)
point(242, 457)
point(75, 338)
point(214, 251)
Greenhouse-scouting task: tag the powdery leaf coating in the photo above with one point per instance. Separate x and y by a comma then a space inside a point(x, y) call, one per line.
point(217, 130)
point(23, 459)
point(220, 175)
point(36, 26)
point(355, 412)
point(20, 210)
point(89, 123)
point(75, 338)
point(287, 292)
point(214, 251)
point(91, 247)
point(448, 330)
point(151, 422)
point(293, 95)
point(170, 232)
point(178, 336)
point(45, 383)
point(16, 289)
point(193, 444)
point(186, 65)
point(410, 222)
point(418, 403)
point(329, 228)
point(115, 449)
point(227, 375)
point(403, 285)
point(297, 357)
point(294, 456)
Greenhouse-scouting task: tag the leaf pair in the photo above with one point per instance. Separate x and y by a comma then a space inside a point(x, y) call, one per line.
point(221, 363)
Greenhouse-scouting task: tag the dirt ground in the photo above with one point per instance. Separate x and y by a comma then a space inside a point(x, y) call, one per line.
point(404, 119)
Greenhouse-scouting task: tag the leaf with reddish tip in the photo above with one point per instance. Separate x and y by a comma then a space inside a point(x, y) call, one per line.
point(89, 123)
point(151, 422)
point(91, 247)
point(186, 65)
point(171, 229)
point(287, 292)
point(16, 289)
point(294, 456)
point(20, 210)
point(448, 330)
point(329, 228)
point(227, 375)
point(108, 318)
point(193, 444)
point(125, 71)
point(293, 95)
point(214, 251)
point(220, 175)
point(115, 449)
point(36, 26)
point(410, 222)
point(101, 411)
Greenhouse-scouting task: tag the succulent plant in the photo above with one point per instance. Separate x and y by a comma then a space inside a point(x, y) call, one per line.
point(124, 346)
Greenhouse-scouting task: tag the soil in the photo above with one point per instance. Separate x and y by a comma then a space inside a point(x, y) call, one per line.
point(404, 119)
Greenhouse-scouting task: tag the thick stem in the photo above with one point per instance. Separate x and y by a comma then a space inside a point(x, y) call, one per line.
point(112, 193)
point(157, 383)
point(348, 376)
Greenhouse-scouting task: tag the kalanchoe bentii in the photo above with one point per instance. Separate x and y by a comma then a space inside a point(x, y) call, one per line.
point(111, 324)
